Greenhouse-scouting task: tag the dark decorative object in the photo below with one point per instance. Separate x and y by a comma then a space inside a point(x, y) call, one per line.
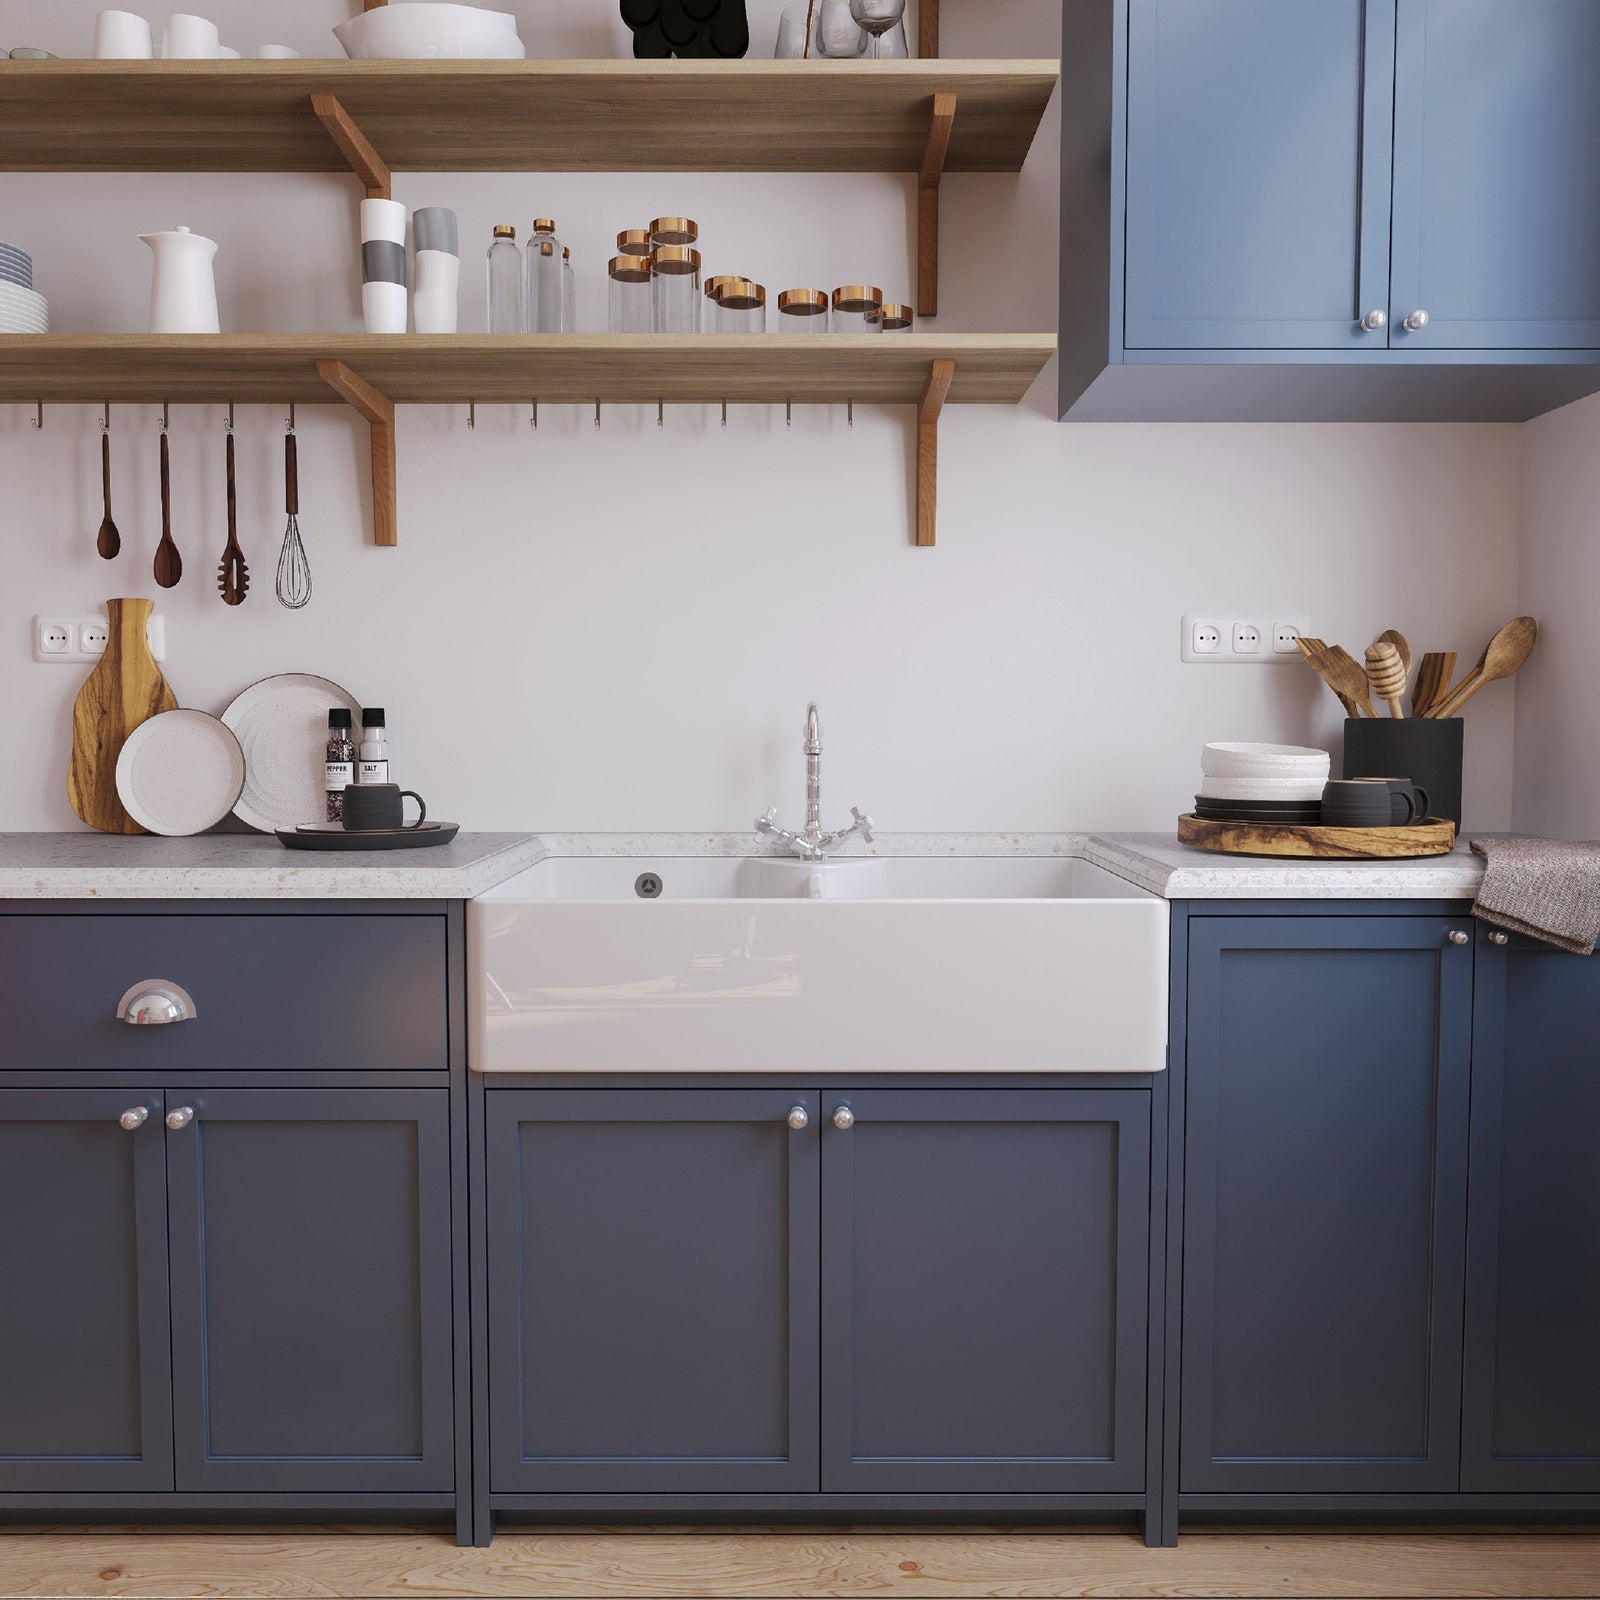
point(715, 29)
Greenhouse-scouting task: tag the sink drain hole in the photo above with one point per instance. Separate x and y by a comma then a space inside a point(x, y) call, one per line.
point(647, 886)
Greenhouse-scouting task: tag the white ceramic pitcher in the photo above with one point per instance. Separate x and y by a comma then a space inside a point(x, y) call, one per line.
point(183, 286)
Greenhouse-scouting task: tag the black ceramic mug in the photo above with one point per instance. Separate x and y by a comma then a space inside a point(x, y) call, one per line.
point(1357, 803)
point(375, 807)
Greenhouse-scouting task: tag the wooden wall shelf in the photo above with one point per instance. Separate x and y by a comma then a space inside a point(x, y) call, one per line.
point(518, 116)
point(377, 372)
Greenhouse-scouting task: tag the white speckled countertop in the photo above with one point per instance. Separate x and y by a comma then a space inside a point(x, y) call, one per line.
point(70, 866)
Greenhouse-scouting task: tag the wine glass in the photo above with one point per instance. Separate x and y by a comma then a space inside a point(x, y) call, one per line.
point(877, 17)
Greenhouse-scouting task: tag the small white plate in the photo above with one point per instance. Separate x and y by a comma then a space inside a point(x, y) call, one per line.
point(180, 773)
point(282, 723)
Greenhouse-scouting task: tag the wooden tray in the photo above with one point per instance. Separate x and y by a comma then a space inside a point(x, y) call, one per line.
point(1435, 837)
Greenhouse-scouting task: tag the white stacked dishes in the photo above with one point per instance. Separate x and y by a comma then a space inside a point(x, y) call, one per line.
point(16, 266)
point(22, 311)
point(1261, 783)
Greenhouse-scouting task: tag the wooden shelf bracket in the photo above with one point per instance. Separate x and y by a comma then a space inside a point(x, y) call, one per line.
point(934, 393)
point(378, 409)
point(928, 180)
point(354, 146)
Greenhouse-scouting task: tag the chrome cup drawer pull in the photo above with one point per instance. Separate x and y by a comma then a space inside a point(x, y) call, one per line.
point(156, 1000)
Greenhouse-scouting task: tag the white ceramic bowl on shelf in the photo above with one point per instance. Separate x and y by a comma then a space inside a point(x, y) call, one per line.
point(422, 30)
point(23, 310)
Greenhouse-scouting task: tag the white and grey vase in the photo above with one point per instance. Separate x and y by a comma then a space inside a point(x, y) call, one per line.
point(437, 278)
point(383, 265)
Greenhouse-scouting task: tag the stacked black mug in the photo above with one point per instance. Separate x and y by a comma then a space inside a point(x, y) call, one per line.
point(1373, 803)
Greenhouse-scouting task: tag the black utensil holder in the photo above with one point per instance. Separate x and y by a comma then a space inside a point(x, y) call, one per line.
point(1426, 751)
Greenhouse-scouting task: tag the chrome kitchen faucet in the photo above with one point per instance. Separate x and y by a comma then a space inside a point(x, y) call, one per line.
point(812, 844)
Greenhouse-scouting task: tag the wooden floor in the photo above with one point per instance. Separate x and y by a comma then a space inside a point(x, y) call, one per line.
point(322, 1562)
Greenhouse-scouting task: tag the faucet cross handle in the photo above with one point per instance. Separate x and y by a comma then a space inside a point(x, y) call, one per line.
point(862, 823)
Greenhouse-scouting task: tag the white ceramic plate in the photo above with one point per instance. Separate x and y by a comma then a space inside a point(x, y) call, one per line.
point(282, 723)
point(180, 773)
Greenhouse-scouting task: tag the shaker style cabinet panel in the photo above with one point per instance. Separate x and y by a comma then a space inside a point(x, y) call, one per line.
point(311, 1289)
point(985, 1276)
point(1325, 1204)
point(85, 1376)
point(1257, 173)
point(652, 1267)
point(1497, 174)
point(1531, 1421)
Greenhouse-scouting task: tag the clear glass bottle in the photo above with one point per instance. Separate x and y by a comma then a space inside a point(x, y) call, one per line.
point(544, 278)
point(803, 311)
point(895, 318)
point(857, 308)
point(741, 307)
point(339, 762)
point(372, 759)
point(507, 308)
point(569, 292)
point(630, 307)
point(675, 288)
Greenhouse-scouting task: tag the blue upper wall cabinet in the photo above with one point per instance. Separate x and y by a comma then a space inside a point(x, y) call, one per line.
point(1258, 172)
point(1497, 174)
point(1343, 210)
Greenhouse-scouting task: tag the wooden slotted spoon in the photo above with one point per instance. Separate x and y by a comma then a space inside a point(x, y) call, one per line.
point(233, 576)
point(1503, 654)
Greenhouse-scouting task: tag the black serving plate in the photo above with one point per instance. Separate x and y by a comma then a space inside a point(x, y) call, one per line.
point(330, 836)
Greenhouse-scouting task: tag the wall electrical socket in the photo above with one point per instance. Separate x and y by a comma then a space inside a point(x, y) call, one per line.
point(1266, 639)
point(77, 639)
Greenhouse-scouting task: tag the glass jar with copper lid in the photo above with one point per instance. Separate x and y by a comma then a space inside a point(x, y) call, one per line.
point(675, 285)
point(708, 312)
point(678, 231)
point(630, 305)
point(634, 242)
point(803, 311)
point(740, 307)
point(856, 307)
point(892, 317)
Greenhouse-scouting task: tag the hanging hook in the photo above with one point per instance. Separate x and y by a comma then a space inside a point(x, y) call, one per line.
point(788, 413)
point(105, 418)
point(661, 415)
point(164, 416)
point(472, 414)
point(230, 416)
point(850, 413)
point(291, 416)
point(38, 416)
point(724, 416)
point(533, 416)
point(597, 416)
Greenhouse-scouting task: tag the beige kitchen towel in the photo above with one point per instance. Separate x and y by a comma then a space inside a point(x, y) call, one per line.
point(1548, 889)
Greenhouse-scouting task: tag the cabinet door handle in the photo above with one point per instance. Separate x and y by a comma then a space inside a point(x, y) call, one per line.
point(181, 1118)
point(156, 1000)
point(1459, 936)
point(134, 1117)
point(1416, 322)
point(799, 1118)
point(1375, 321)
point(844, 1119)
point(1499, 938)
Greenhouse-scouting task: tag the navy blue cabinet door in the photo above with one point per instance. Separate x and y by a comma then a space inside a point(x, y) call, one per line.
point(1258, 173)
point(84, 1366)
point(1497, 174)
point(311, 1299)
point(985, 1290)
point(652, 1290)
point(1531, 1422)
point(1325, 1204)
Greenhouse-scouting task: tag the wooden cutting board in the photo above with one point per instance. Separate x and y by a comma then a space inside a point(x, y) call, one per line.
point(125, 689)
point(1435, 837)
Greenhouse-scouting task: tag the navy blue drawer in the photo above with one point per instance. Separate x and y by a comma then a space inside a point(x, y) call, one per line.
point(271, 993)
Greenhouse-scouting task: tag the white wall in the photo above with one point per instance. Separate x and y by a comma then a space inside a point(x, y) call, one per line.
point(1558, 712)
point(621, 630)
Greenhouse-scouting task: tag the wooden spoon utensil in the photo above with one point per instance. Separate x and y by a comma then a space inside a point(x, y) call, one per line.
point(1437, 669)
point(233, 576)
point(1398, 640)
point(1341, 672)
point(109, 542)
point(169, 564)
point(1387, 674)
point(1503, 654)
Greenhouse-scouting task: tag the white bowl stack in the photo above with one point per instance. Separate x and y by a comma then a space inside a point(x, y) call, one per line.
point(1263, 772)
point(21, 310)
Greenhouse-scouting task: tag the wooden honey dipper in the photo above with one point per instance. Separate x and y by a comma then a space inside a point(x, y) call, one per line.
point(1386, 672)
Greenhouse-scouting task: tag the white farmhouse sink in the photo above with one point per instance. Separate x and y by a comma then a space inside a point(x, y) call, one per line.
point(764, 965)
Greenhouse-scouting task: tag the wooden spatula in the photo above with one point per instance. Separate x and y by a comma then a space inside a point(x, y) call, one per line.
point(1437, 669)
point(1341, 672)
point(1503, 654)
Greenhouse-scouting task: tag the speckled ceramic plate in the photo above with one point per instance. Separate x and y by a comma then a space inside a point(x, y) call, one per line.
point(180, 773)
point(282, 725)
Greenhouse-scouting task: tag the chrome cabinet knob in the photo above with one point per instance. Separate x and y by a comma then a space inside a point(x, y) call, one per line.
point(1375, 320)
point(134, 1117)
point(844, 1119)
point(1499, 938)
point(799, 1118)
point(156, 1000)
point(181, 1118)
point(1459, 936)
point(1416, 322)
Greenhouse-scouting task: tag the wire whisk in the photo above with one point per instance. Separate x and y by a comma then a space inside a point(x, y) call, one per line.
point(294, 570)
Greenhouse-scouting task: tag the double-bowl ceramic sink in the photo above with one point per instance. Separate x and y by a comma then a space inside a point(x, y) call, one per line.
point(696, 965)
